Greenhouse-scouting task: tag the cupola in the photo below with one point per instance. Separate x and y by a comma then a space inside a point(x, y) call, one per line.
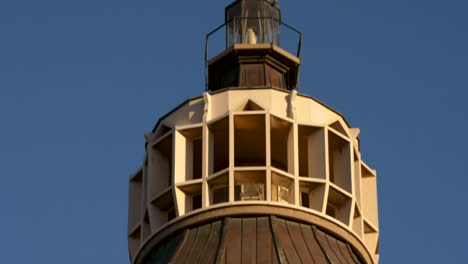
point(253, 56)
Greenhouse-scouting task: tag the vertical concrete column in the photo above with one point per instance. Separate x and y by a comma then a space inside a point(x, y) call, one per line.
point(231, 157)
point(295, 154)
point(145, 199)
point(268, 155)
point(179, 154)
point(327, 172)
point(206, 149)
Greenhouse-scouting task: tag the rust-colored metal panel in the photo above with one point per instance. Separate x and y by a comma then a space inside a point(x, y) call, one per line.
point(249, 240)
point(284, 241)
point(334, 246)
point(252, 75)
point(167, 250)
point(274, 256)
point(322, 239)
point(220, 255)
point(298, 241)
point(353, 254)
point(265, 251)
point(274, 78)
point(199, 245)
point(312, 245)
point(212, 245)
point(344, 251)
point(234, 242)
point(186, 247)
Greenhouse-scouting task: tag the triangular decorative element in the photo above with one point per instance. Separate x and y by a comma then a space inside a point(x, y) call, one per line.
point(338, 127)
point(368, 228)
point(252, 106)
point(356, 212)
point(371, 237)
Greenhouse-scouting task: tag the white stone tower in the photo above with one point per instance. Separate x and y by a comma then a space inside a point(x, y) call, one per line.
point(253, 171)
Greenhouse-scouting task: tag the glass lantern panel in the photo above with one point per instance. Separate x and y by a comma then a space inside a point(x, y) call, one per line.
point(234, 23)
point(271, 24)
point(252, 22)
point(253, 32)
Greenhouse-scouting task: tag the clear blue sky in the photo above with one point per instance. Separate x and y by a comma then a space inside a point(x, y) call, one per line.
point(81, 81)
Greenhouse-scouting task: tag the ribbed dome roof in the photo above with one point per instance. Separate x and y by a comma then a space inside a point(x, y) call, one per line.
point(253, 240)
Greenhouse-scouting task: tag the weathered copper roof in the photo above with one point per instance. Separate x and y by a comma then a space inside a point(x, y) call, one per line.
point(253, 240)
